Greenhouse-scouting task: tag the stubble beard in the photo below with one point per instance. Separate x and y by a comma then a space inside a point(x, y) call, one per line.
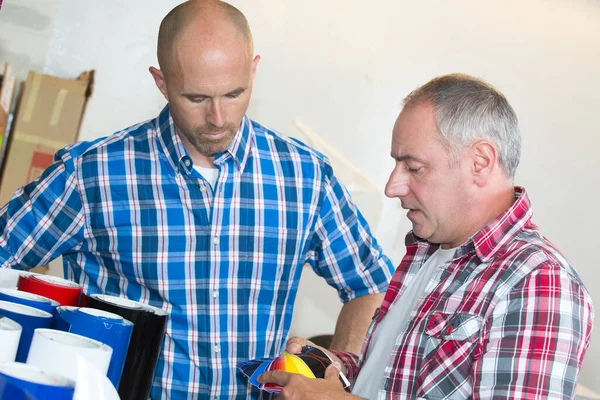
point(203, 143)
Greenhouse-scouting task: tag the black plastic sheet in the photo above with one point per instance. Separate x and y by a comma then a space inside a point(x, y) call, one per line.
point(148, 333)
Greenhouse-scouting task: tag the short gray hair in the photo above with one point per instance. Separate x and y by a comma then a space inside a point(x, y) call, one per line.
point(468, 109)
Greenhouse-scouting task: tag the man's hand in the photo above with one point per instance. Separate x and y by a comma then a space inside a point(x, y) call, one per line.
point(295, 344)
point(298, 387)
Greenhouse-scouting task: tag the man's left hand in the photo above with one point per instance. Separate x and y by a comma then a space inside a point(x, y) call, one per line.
point(297, 387)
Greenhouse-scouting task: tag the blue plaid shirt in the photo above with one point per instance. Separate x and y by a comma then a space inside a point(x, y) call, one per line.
point(132, 217)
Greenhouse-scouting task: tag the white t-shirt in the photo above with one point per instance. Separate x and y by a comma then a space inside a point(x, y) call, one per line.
point(210, 174)
point(369, 380)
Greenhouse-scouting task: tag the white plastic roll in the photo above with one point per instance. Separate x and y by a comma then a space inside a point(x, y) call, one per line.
point(59, 351)
point(9, 278)
point(91, 384)
point(10, 334)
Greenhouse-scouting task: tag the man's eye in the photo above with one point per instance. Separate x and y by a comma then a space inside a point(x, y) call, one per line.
point(233, 95)
point(197, 99)
point(414, 170)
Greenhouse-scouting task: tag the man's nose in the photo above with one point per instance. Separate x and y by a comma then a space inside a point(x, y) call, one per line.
point(216, 116)
point(398, 184)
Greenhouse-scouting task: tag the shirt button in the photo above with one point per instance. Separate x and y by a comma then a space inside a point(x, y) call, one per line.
point(187, 162)
point(203, 188)
point(216, 240)
point(449, 329)
point(215, 294)
point(217, 348)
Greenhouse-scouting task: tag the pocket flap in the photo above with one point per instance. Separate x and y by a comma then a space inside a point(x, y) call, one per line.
point(460, 326)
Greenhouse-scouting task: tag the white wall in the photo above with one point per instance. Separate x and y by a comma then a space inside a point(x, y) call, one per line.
point(342, 69)
point(26, 27)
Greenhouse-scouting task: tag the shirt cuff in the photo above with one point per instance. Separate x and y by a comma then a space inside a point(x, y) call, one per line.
point(350, 361)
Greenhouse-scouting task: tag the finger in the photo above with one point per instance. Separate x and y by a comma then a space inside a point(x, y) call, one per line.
point(281, 378)
point(295, 344)
point(332, 372)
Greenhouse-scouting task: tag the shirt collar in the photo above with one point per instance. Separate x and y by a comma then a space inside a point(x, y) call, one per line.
point(489, 240)
point(240, 146)
point(178, 156)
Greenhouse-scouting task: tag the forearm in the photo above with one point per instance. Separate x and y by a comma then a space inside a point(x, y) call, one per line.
point(353, 322)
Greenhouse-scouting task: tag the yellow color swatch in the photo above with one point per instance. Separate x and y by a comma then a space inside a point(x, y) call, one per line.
point(299, 365)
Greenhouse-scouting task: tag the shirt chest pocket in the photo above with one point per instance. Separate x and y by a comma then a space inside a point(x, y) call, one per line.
point(450, 343)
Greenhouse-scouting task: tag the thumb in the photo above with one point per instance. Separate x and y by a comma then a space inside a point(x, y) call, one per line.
point(332, 372)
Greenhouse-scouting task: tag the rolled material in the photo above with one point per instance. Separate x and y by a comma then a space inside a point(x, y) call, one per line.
point(29, 299)
point(103, 326)
point(59, 323)
point(144, 347)
point(10, 334)
point(19, 381)
point(30, 319)
point(58, 351)
point(67, 293)
point(91, 384)
point(9, 278)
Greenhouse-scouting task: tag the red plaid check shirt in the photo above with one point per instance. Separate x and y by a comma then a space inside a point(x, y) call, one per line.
point(509, 318)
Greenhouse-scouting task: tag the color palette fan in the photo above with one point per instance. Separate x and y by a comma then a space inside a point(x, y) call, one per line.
point(310, 362)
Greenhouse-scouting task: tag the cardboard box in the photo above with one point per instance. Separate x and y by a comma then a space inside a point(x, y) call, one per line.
point(47, 119)
point(7, 88)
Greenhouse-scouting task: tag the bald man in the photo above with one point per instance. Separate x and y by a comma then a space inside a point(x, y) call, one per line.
point(204, 213)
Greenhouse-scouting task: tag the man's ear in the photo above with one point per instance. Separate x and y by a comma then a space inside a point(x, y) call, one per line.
point(159, 79)
point(254, 64)
point(484, 160)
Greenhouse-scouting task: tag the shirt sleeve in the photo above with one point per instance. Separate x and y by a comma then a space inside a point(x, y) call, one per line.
point(536, 339)
point(44, 219)
point(344, 251)
point(350, 361)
